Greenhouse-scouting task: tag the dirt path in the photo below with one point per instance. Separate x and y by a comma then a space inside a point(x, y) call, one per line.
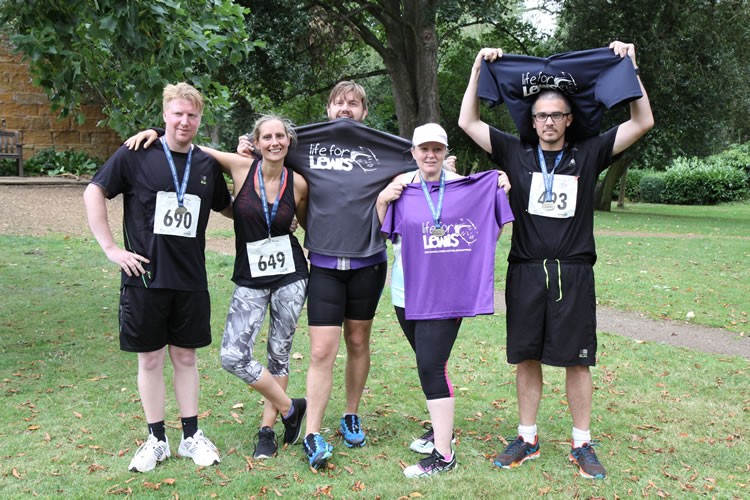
point(41, 210)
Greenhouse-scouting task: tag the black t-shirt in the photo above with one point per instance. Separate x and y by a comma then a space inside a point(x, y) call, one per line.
point(346, 164)
point(177, 262)
point(537, 237)
point(592, 80)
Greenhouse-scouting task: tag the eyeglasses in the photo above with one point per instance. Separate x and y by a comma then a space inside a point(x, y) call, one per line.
point(556, 116)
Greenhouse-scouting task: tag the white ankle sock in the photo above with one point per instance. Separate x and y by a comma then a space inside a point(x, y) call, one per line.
point(528, 433)
point(581, 437)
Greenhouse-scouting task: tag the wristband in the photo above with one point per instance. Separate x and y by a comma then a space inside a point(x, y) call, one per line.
point(638, 71)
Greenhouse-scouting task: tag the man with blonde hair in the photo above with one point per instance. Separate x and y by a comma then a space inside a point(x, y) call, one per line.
point(164, 302)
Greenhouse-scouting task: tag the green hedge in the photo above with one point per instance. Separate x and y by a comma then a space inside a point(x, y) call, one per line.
point(651, 186)
point(719, 178)
point(691, 181)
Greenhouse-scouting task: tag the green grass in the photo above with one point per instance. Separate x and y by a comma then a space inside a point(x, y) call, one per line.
point(669, 421)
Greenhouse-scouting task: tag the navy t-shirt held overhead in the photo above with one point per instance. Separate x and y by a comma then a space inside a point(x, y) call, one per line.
point(592, 80)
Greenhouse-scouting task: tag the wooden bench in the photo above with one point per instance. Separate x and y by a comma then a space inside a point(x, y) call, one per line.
point(11, 147)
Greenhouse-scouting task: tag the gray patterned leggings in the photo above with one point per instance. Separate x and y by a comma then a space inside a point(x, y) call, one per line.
point(247, 311)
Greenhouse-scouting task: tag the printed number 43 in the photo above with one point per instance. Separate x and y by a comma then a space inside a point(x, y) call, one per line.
point(562, 199)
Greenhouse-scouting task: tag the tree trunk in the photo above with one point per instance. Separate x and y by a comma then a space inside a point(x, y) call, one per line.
point(623, 188)
point(409, 53)
point(604, 188)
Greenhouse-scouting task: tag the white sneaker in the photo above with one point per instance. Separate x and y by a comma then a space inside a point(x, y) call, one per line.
point(149, 454)
point(200, 449)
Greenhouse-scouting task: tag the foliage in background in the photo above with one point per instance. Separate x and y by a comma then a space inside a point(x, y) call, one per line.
point(55, 163)
point(307, 50)
point(651, 186)
point(697, 92)
point(122, 54)
point(719, 178)
point(693, 181)
point(72, 162)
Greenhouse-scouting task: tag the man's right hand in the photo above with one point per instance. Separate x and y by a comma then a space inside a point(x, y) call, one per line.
point(245, 146)
point(130, 262)
point(134, 142)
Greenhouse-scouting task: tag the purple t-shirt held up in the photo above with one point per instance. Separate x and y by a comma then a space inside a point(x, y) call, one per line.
point(452, 275)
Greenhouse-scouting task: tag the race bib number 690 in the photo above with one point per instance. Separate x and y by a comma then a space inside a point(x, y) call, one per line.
point(170, 221)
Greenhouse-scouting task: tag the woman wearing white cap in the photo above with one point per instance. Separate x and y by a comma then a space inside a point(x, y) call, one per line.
point(444, 228)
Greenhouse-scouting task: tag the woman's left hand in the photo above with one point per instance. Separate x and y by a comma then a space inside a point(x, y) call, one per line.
point(503, 181)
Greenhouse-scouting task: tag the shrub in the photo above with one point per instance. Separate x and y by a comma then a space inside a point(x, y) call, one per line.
point(632, 184)
point(735, 156)
point(693, 181)
point(51, 162)
point(652, 186)
point(8, 167)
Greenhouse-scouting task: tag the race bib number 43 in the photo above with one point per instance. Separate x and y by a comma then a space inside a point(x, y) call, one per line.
point(564, 196)
point(270, 257)
point(170, 221)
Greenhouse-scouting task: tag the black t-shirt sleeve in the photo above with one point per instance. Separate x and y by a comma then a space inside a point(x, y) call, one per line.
point(221, 196)
point(114, 176)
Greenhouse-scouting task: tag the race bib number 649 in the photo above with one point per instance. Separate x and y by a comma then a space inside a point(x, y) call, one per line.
point(270, 256)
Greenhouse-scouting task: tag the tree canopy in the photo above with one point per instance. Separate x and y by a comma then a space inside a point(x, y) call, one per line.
point(412, 56)
point(122, 54)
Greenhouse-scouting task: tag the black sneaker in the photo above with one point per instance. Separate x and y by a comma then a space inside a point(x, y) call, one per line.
point(265, 444)
point(425, 443)
point(434, 464)
point(293, 426)
point(517, 453)
point(588, 465)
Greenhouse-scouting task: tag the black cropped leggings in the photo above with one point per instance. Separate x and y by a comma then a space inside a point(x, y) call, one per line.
point(432, 341)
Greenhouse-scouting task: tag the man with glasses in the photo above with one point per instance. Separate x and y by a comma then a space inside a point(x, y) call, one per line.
point(550, 297)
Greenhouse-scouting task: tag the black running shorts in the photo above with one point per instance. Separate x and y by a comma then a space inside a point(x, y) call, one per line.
point(151, 318)
point(551, 313)
point(333, 295)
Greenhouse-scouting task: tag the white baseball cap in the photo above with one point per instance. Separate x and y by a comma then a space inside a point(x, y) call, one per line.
point(429, 132)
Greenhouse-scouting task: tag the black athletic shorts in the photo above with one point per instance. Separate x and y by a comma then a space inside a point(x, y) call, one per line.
point(549, 323)
point(333, 295)
point(151, 318)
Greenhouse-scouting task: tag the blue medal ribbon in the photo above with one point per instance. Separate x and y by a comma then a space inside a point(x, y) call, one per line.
point(262, 187)
point(549, 177)
point(441, 192)
point(179, 189)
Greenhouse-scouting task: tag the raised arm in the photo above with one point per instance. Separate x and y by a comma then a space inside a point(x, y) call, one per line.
point(641, 116)
point(231, 163)
point(469, 118)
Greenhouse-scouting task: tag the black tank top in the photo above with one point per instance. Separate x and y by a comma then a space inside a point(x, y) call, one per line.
point(250, 225)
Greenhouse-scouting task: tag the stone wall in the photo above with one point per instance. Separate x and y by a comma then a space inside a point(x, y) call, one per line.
point(25, 107)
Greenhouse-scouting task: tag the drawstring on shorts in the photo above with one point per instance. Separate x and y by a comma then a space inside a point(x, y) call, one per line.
point(559, 277)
